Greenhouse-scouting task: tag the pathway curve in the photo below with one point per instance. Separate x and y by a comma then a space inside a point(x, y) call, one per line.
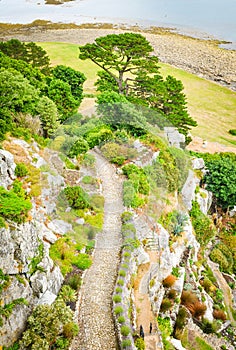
point(96, 327)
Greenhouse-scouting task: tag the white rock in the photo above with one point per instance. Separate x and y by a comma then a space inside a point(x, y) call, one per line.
point(60, 227)
point(47, 298)
point(188, 190)
point(198, 163)
point(48, 234)
point(7, 168)
point(142, 257)
point(80, 221)
point(177, 344)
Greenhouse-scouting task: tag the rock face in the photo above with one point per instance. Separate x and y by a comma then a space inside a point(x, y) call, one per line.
point(7, 168)
point(188, 190)
point(174, 137)
point(28, 273)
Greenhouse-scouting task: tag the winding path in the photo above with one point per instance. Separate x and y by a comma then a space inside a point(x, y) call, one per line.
point(96, 327)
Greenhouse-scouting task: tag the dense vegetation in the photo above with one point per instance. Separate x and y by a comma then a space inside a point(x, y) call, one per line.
point(133, 101)
point(130, 69)
point(34, 96)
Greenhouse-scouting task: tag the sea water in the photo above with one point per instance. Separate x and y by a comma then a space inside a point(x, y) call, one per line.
point(200, 18)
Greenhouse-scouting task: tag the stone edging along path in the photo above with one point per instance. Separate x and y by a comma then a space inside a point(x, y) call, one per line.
point(96, 327)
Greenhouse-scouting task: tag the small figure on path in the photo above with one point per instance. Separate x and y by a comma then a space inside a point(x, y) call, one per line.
point(150, 329)
point(141, 332)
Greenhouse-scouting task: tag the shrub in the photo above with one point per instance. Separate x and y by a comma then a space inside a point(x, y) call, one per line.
point(126, 216)
point(13, 207)
point(21, 170)
point(197, 309)
point(118, 290)
point(77, 197)
point(188, 298)
point(172, 294)
point(74, 282)
point(232, 132)
point(125, 330)
point(88, 160)
point(169, 281)
point(80, 146)
point(218, 257)
point(166, 304)
point(139, 343)
point(219, 315)
point(118, 310)
point(116, 298)
point(125, 343)
point(181, 318)
point(122, 273)
point(120, 282)
point(70, 330)
point(82, 261)
point(121, 319)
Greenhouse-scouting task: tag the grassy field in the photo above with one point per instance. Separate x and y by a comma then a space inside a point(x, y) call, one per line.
point(211, 105)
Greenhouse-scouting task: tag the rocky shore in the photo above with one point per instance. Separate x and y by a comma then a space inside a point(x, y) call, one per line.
point(202, 57)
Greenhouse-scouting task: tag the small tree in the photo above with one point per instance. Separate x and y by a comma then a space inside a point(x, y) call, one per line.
point(221, 180)
point(74, 78)
point(48, 115)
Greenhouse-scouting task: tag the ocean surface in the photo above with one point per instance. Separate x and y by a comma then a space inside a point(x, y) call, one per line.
point(198, 18)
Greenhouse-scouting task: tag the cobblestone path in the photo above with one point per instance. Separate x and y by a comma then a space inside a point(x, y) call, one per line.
point(96, 328)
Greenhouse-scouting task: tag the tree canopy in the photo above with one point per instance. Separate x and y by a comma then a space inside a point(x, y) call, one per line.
point(131, 69)
point(28, 52)
point(121, 56)
point(221, 179)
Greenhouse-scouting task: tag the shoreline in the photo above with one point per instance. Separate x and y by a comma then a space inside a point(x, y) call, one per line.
point(198, 56)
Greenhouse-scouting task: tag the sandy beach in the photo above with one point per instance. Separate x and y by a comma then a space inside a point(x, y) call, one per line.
point(202, 57)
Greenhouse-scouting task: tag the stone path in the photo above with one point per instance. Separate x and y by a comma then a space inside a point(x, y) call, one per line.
point(96, 328)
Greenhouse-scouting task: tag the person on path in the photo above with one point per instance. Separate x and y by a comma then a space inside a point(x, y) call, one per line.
point(141, 332)
point(150, 329)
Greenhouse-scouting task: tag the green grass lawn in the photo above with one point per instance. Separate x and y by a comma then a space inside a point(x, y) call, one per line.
point(211, 105)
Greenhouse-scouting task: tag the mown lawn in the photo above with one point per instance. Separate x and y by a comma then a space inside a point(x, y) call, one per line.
point(213, 106)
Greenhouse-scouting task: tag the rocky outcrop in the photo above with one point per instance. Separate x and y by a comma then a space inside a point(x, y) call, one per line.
point(29, 275)
point(7, 168)
point(188, 190)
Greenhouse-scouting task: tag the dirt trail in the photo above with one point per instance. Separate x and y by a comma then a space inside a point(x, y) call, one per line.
point(143, 307)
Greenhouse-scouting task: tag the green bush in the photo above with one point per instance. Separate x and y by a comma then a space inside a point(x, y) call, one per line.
point(125, 330)
point(120, 282)
point(181, 319)
point(98, 136)
point(80, 146)
point(74, 282)
point(82, 261)
point(125, 343)
point(21, 170)
point(118, 290)
point(122, 273)
point(77, 197)
point(203, 226)
point(126, 216)
point(140, 344)
point(218, 257)
point(232, 132)
point(13, 207)
point(116, 298)
point(166, 304)
point(118, 310)
point(121, 319)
